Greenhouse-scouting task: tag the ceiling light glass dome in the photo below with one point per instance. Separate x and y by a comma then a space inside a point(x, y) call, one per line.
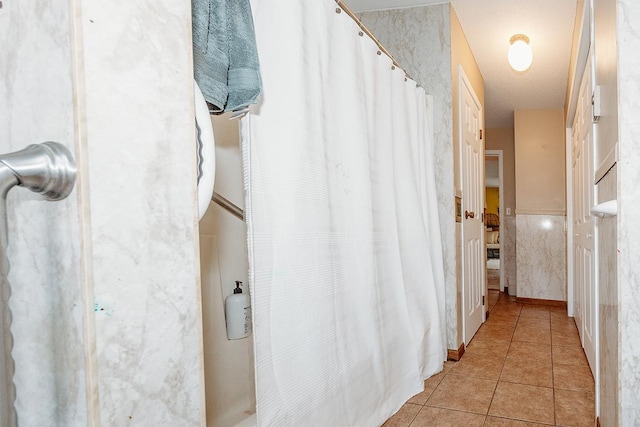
point(520, 54)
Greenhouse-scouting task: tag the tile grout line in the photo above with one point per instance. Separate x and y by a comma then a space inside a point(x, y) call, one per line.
point(553, 379)
point(414, 417)
point(503, 363)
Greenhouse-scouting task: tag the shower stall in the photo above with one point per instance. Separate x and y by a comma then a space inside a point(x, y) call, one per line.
point(106, 300)
point(228, 364)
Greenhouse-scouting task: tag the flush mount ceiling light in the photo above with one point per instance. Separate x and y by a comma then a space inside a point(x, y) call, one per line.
point(520, 54)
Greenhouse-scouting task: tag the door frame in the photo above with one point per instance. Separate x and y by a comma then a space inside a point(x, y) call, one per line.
point(586, 40)
point(569, 220)
point(572, 269)
point(498, 154)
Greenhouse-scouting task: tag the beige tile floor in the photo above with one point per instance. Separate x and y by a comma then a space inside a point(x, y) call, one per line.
point(524, 367)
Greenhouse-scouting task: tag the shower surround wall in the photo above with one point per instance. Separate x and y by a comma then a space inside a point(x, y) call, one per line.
point(627, 230)
point(428, 42)
point(229, 364)
point(44, 238)
point(106, 296)
point(608, 305)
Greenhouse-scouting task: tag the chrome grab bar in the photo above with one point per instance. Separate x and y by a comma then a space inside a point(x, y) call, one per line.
point(48, 169)
point(228, 205)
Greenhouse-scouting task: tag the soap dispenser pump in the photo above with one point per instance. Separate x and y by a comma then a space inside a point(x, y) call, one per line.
point(237, 310)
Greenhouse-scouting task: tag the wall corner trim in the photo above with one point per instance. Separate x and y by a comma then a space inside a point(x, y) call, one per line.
point(558, 212)
point(455, 355)
point(539, 301)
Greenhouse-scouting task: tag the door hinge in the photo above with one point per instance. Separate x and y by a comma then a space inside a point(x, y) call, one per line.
point(596, 103)
point(482, 299)
point(480, 133)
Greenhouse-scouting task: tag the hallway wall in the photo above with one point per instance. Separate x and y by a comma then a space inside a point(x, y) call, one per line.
point(540, 204)
point(540, 162)
point(461, 56)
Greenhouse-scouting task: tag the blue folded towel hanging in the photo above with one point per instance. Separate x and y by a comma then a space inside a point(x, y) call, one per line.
point(225, 57)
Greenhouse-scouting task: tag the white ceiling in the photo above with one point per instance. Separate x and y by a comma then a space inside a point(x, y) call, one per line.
point(488, 26)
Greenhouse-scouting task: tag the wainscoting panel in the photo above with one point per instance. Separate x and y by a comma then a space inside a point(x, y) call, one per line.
point(541, 257)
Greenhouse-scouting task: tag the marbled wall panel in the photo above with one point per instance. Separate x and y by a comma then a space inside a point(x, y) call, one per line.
point(608, 304)
point(36, 105)
point(541, 257)
point(140, 134)
point(628, 16)
point(508, 257)
point(419, 38)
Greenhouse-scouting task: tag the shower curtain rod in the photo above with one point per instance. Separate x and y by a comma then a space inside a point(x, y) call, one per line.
point(353, 16)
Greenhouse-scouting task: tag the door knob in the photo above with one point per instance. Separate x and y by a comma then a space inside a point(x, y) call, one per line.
point(468, 214)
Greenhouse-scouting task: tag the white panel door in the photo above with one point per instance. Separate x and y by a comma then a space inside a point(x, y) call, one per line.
point(472, 171)
point(584, 224)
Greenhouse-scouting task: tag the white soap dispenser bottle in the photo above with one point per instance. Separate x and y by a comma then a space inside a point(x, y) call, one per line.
point(237, 311)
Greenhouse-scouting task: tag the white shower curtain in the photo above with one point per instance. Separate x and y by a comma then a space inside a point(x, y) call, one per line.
point(345, 259)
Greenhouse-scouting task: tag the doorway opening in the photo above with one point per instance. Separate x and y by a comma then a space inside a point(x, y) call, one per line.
point(494, 200)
